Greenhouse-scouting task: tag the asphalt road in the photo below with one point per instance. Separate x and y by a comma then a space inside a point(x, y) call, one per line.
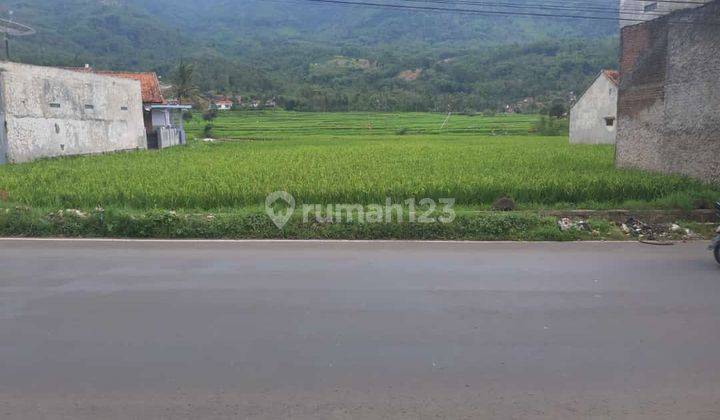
point(168, 330)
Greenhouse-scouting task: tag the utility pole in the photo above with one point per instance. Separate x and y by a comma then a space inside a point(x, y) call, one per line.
point(8, 28)
point(7, 40)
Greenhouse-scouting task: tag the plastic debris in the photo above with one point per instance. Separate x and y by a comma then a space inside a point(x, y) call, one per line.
point(565, 224)
point(657, 232)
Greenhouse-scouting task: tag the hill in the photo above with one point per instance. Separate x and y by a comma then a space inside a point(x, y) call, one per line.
point(295, 50)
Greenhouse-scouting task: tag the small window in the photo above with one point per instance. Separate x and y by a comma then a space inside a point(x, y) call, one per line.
point(651, 7)
point(89, 107)
point(123, 108)
point(54, 105)
point(610, 121)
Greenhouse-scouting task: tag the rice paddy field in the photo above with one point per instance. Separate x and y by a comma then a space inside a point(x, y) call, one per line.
point(351, 158)
point(285, 125)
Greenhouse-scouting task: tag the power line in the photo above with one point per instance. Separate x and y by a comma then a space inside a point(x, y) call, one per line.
point(699, 3)
point(547, 7)
point(579, 10)
point(571, 6)
point(485, 12)
point(456, 10)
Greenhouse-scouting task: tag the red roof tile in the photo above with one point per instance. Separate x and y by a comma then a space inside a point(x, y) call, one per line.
point(613, 75)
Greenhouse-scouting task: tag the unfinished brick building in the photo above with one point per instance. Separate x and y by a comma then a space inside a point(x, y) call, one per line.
point(669, 95)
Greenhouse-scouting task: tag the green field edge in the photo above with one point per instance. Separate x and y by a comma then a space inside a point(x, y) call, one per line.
point(247, 224)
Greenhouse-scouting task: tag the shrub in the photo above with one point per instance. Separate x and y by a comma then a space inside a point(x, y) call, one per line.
point(210, 115)
point(557, 110)
point(207, 131)
point(546, 126)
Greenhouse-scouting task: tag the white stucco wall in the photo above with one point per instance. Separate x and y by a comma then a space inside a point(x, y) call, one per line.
point(52, 112)
point(587, 117)
point(633, 12)
point(160, 118)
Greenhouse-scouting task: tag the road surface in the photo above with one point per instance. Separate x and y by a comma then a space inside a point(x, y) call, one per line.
point(278, 330)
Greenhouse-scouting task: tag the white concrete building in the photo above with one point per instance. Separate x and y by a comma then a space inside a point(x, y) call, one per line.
point(222, 105)
point(163, 120)
point(48, 112)
point(633, 12)
point(593, 119)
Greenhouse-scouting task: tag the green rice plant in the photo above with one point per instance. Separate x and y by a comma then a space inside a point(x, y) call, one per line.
point(350, 158)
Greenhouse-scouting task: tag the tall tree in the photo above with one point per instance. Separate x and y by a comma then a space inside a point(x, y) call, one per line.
point(185, 88)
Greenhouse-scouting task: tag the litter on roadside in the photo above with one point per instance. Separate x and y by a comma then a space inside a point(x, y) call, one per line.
point(566, 224)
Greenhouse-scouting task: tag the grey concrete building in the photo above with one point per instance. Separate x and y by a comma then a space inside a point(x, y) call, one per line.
point(48, 112)
point(593, 119)
point(669, 97)
point(163, 120)
point(636, 11)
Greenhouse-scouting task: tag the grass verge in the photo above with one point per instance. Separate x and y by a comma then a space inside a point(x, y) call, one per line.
point(18, 221)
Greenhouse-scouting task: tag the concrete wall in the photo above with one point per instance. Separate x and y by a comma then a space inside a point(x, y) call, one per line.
point(53, 112)
point(669, 98)
point(169, 137)
point(587, 117)
point(638, 10)
point(160, 118)
point(3, 141)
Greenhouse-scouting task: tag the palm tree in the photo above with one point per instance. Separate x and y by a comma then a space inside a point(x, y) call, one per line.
point(185, 88)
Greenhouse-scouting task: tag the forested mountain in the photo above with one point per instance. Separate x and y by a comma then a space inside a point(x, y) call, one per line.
point(322, 56)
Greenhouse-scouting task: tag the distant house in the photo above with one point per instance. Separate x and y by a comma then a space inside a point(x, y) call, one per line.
point(593, 119)
point(48, 112)
point(163, 121)
point(222, 104)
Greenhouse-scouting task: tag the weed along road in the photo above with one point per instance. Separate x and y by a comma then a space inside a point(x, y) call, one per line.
point(312, 330)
